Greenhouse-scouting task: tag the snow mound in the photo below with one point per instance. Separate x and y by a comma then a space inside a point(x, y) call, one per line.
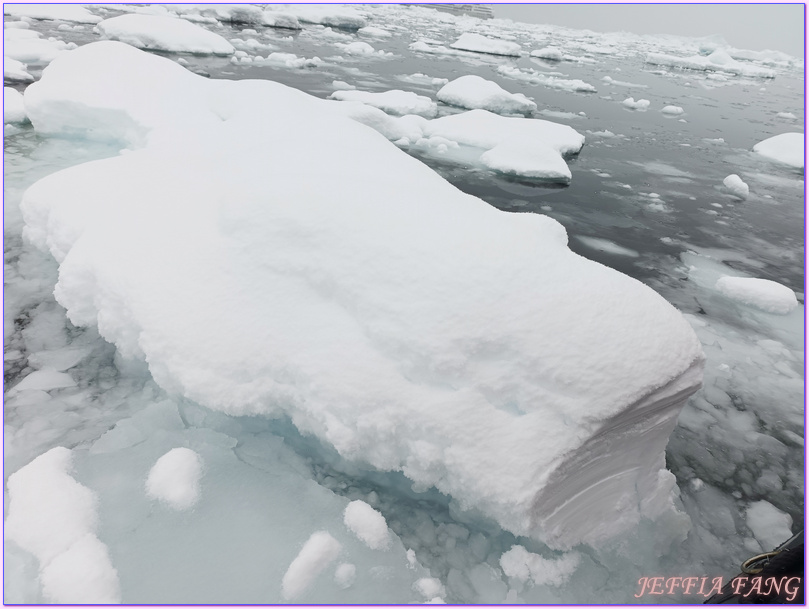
point(175, 478)
point(787, 148)
point(34, 50)
point(763, 294)
point(55, 518)
point(319, 551)
point(551, 53)
point(673, 110)
point(641, 104)
point(771, 526)
point(524, 566)
point(481, 44)
point(158, 33)
point(15, 71)
point(393, 102)
point(527, 159)
point(13, 106)
point(475, 92)
point(60, 12)
point(376, 304)
point(367, 524)
point(736, 186)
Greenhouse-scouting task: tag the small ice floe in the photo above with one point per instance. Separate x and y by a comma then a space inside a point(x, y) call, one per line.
point(319, 551)
point(787, 148)
point(367, 524)
point(545, 80)
point(373, 32)
point(342, 17)
point(607, 246)
point(430, 588)
point(157, 33)
point(36, 51)
point(422, 79)
point(481, 44)
point(718, 61)
point(175, 478)
point(641, 104)
point(473, 92)
point(521, 565)
point(736, 186)
point(551, 53)
point(290, 60)
point(611, 81)
point(770, 526)
point(13, 106)
point(672, 110)
point(763, 294)
point(527, 159)
point(395, 102)
point(786, 115)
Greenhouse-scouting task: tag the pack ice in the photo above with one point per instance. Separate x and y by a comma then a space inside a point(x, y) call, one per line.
point(265, 254)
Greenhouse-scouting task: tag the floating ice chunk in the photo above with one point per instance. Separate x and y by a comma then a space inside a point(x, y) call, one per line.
point(552, 82)
point(54, 518)
point(430, 588)
point(551, 53)
point(611, 81)
point(342, 17)
point(292, 61)
point(771, 526)
point(358, 48)
point(60, 12)
point(423, 79)
point(787, 115)
point(164, 34)
point(367, 524)
point(528, 159)
point(15, 71)
point(276, 19)
point(341, 85)
point(34, 50)
point(763, 294)
point(736, 186)
point(318, 552)
point(718, 61)
point(641, 104)
point(175, 478)
point(13, 106)
point(44, 380)
point(481, 44)
point(508, 410)
point(522, 565)
point(373, 32)
point(787, 148)
point(472, 92)
point(605, 245)
point(393, 102)
point(344, 575)
point(674, 110)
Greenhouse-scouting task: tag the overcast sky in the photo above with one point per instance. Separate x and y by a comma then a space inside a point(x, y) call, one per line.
point(746, 26)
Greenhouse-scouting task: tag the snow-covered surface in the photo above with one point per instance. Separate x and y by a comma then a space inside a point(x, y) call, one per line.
point(157, 33)
point(718, 61)
point(34, 50)
point(640, 104)
point(350, 288)
point(551, 53)
point(393, 102)
point(787, 148)
point(674, 110)
point(770, 526)
point(367, 524)
point(763, 294)
point(523, 566)
point(13, 106)
point(55, 518)
point(319, 551)
point(473, 92)
point(527, 159)
point(175, 478)
point(15, 71)
point(61, 12)
point(553, 82)
point(469, 41)
point(736, 186)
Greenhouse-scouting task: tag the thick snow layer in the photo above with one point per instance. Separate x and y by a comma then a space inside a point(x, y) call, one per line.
point(674, 110)
point(61, 12)
point(393, 102)
point(641, 104)
point(736, 186)
point(551, 53)
point(473, 92)
point(527, 159)
point(523, 566)
point(15, 71)
point(367, 524)
point(319, 551)
point(482, 44)
point(376, 304)
point(175, 478)
point(787, 148)
point(718, 61)
point(158, 33)
point(54, 518)
point(552, 82)
point(34, 50)
point(763, 294)
point(771, 526)
point(13, 106)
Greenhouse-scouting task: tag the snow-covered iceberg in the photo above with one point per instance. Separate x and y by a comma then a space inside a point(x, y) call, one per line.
point(267, 255)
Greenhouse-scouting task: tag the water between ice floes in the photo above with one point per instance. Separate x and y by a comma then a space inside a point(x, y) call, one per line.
point(646, 198)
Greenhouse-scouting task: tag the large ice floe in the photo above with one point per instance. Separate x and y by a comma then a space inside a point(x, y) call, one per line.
point(159, 33)
point(474, 92)
point(408, 325)
point(787, 148)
